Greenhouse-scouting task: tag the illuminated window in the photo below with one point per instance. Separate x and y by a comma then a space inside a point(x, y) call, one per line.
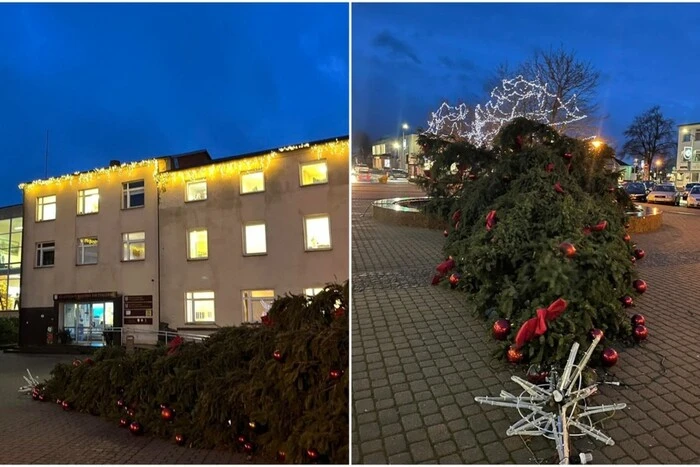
point(255, 303)
point(313, 173)
point(197, 244)
point(317, 232)
point(310, 292)
point(45, 254)
point(133, 195)
point(87, 250)
point(254, 239)
point(46, 208)
point(134, 246)
point(196, 190)
point(200, 307)
point(252, 182)
point(88, 201)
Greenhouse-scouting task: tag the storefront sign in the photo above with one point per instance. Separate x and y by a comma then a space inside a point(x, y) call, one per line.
point(76, 297)
point(138, 309)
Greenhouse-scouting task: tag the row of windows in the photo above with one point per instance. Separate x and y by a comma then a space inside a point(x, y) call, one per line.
point(133, 193)
point(317, 236)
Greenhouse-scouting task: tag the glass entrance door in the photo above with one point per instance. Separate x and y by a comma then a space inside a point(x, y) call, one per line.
point(86, 322)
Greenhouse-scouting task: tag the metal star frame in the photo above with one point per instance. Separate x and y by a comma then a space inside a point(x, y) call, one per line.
point(555, 408)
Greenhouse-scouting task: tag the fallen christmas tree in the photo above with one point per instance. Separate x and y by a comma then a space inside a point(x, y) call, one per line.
point(537, 238)
point(279, 388)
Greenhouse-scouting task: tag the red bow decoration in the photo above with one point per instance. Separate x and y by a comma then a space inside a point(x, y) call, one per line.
point(175, 344)
point(490, 220)
point(600, 226)
point(558, 188)
point(549, 167)
point(442, 269)
point(457, 215)
point(537, 326)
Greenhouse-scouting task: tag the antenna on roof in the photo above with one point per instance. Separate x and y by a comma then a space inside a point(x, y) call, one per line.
point(46, 157)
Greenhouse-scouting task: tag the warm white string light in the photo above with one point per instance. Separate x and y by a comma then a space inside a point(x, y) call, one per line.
point(514, 98)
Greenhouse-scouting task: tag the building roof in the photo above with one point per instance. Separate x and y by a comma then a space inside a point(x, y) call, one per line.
point(688, 124)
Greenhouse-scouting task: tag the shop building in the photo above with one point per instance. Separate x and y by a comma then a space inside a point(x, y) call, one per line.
point(185, 240)
point(688, 157)
point(10, 259)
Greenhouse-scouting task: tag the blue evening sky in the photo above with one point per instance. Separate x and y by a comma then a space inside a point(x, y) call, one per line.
point(408, 58)
point(133, 81)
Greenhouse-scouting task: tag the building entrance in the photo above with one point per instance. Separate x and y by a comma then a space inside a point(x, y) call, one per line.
point(86, 322)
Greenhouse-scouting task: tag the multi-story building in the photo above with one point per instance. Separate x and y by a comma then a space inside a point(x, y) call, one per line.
point(393, 153)
point(688, 158)
point(185, 240)
point(10, 259)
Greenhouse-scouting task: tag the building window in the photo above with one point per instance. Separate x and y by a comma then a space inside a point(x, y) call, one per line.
point(254, 239)
point(196, 190)
point(252, 182)
point(313, 173)
point(46, 208)
point(87, 250)
point(255, 303)
point(317, 232)
point(197, 244)
point(697, 135)
point(133, 195)
point(45, 254)
point(88, 201)
point(313, 291)
point(696, 156)
point(134, 246)
point(686, 137)
point(200, 307)
point(695, 177)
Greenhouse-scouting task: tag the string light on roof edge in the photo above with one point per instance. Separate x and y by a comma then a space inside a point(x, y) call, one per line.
point(514, 98)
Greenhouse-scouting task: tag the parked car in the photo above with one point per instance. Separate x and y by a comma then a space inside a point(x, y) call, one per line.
point(398, 173)
point(649, 185)
point(636, 192)
point(687, 189)
point(694, 197)
point(664, 194)
point(361, 173)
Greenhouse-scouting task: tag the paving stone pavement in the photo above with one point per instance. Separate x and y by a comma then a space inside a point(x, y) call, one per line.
point(419, 358)
point(33, 432)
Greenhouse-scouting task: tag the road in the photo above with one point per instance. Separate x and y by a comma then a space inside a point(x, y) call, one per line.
point(373, 191)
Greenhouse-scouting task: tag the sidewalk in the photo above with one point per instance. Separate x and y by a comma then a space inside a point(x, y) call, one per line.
point(419, 358)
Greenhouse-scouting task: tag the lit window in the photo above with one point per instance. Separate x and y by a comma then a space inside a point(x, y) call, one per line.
point(197, 190)
point(255, 303)
point(88, 201)
point(252, 182)
point(197, 244)
point(313, 291)
point(87, 250)
point(255, 242)
point(313, 173)
point(200, 307)
point(133, 195)
point(317, 232)
point(46, 208)
point(134, 246)
point(45, 254)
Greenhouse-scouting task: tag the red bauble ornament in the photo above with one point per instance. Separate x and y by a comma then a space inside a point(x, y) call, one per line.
point(600, 226)
point(627, 238)
point(65, 405)
point(339, 312)
point(514, 355)
point(549, 167)
point(248, 448)
point(567, 156)
point(627, 301)
point(123, 422)
point(639, 253)
point(42, 397)
point(536, 375)
point(445, 233)
point(167, 414)
point(638, 320)
point(640, 286)
point(88, 361)
point(130, 412)
point(312, 453)
point(633, 259)
point(335, 374)
point(501, 329)
point(35, 394)
point(135, 428)
point(281, 456)
point(179, 439)
point(558, 188)
point(242, 439)
point(121, 403)
point(609, 357)
point(568, 249)
point(640, 333)
point(454, 280)
point(76, 362)
point(266, 320)
point(595, 332)
point(277, 355)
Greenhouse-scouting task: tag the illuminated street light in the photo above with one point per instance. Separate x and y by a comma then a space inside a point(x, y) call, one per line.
point(596, 143)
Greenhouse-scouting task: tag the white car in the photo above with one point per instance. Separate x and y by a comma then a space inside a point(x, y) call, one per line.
point(665, 194)
point(694, 197)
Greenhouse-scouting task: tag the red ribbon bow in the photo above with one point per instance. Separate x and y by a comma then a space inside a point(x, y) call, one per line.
point(490, 220)
point(457, 216)
point(600, 226)
point(549, 167)
point(537, 326)
point(442, 269)
point(558, 188)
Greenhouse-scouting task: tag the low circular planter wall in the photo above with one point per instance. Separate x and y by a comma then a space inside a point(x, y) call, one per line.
point(645, 220)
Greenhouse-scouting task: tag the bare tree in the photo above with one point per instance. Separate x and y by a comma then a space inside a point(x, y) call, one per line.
point(650, 136)
point(361, 146)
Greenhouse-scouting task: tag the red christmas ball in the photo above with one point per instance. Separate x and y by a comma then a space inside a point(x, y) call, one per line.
point(42, 397)
point(336, 374)
point(277, 355)
point(76, 362)
point(638, 320)
point(639, 253)
point(595, 332)
point(568, 156)
point(248, 448)
point(65, 405)
point(609, 357)
point(281, 456)
point(640, 286)
point(640, 333)
point(265, 320)
point(167, 414)
point(537, 375)
point(131, 413)
point(312, 453)
point(549, 167)
point(242, 439)
point(445, 233)
point(135, 428)
point(179, 439)
point(121, 403)
point(501, 329)
point(123, 422)
point(514, 355)
point(454, 279)
point(627, 238)
point(35, 394)
point(568, 249)
point(339, 312)
point(88, 361)
point(627, 301)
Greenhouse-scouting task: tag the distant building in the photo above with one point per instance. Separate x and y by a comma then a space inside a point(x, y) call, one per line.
point(617, 165)
point(391, 153)
point(186, 240)
point(688, 158)
point(10, 259)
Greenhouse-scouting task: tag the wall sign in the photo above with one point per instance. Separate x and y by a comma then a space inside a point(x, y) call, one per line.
point(138, 309)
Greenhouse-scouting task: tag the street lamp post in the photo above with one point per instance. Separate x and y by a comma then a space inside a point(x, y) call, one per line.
point(404, 127)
